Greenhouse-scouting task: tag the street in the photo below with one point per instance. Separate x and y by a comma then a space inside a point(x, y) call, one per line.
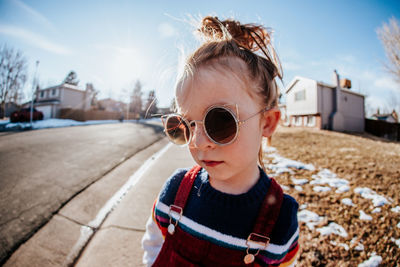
point(40, 171)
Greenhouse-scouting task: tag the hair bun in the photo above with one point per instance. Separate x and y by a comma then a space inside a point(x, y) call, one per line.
point(251, 36)
point(246, 35)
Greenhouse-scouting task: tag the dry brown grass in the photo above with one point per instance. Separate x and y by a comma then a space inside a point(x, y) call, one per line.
point(363, 160)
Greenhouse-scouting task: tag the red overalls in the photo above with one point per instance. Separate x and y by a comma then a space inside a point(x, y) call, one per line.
point(183, 249)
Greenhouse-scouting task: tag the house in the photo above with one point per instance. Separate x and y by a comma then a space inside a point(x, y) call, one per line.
point(388, 117)
point(52, 99)
point(324, 106)
point(109, 104)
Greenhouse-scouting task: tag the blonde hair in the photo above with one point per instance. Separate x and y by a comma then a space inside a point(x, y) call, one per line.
point(229, 40)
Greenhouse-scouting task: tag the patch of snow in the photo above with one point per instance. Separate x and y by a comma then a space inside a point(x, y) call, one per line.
point(376, 210)
point(269, 149)
point(364, 216)
point(343, 188)
point(286, 188)
point(298, 188)
point(359, 246)
point(56, 123)
point(367, 193)
point(303, 206)
point(310, 218)
point(373, 261)
point(346, 247)
point(396, 241)
point(396, 209)
point(333, 228)
point(321, 188)
point(281, 165)
point(299, 181)
point(348, 202)
point(325, 176)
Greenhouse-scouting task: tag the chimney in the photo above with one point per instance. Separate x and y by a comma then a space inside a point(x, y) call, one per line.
point(335, 79)
point(345, 83)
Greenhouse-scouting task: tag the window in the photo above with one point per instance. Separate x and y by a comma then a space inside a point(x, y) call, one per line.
point(41, 94)
point(300, 95)
point(53, 92)
point(311, 121)
point(298, 121)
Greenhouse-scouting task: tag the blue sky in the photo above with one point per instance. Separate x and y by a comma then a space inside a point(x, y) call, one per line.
point(113, 43)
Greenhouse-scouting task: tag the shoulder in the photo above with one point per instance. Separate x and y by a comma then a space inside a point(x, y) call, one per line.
point(170, 187)
point(286, 225)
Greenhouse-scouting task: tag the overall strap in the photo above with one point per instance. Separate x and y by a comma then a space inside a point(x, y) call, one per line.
point(269, 210)
point(185, 187)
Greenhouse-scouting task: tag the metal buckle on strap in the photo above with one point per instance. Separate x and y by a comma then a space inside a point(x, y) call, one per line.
point(259, 240)
point(178, 210)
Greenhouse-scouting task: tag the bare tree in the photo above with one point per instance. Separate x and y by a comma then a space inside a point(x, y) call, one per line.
point(12, 76)
point(72, 78)
point(389, 34)
point(136, 104)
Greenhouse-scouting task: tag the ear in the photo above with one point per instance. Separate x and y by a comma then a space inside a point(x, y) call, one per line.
point(270, 121)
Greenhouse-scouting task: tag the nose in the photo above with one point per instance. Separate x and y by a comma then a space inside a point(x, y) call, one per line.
point(200, 139)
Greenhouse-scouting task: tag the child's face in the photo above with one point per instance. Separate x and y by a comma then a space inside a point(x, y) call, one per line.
point(232, 168)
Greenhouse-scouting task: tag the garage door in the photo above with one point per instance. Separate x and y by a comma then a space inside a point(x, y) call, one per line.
point(46, 110)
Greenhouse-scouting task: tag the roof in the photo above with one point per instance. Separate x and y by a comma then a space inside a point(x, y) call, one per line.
point(298, 78)
point(64, 85)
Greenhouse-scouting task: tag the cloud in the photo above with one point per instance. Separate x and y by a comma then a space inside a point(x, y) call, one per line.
point(166, 30)
point(34, 39)
point(386, 82)
point(34, 14)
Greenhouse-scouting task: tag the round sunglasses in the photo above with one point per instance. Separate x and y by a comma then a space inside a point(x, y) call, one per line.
point(219, 123)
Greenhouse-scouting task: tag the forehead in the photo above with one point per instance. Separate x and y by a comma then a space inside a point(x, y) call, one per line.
point(212, 87)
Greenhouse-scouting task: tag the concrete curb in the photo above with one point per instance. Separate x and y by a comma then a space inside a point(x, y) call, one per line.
point(88, 218)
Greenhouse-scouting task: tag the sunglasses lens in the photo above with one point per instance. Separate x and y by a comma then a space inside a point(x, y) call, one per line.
point(220, 125)
point(177, 130)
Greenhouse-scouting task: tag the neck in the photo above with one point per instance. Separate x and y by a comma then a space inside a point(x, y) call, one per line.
point(240, 183)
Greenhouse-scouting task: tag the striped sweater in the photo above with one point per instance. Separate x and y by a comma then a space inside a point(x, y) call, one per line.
point(223, 219)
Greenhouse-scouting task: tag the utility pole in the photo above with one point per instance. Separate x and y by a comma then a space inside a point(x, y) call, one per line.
point(33, 90)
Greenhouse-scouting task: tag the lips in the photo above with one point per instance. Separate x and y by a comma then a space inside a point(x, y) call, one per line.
point(211, 163)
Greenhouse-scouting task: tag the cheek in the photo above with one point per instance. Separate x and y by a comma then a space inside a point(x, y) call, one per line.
point(248, 142)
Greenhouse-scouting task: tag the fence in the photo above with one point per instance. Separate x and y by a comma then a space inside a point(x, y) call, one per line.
point(383, 129)
point(82, 115)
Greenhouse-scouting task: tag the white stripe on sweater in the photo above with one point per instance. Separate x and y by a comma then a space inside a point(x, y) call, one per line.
point(230, 240)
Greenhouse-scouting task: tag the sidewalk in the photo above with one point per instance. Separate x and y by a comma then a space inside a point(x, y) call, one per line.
point(103, 225)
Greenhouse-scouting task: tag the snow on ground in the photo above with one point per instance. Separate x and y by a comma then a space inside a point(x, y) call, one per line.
point(396, 209)
point(298, 188)
point(333, 228)
point(321, 188)
point(364, 216)
point(281, 164)
point(376, 210)
point(373, 261)
point(310, 218)
point(396, 241)
point(56, 123)
point(299, 181)
point(325, 176)
point(348, 202)
point(367, 193)
point(324, 181)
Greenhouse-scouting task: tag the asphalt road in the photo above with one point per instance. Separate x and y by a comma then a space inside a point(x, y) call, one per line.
point(40, 171)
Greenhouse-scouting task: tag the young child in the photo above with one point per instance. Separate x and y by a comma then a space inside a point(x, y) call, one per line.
point(226, 211)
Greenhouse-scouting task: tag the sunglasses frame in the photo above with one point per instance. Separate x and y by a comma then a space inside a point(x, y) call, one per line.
point(188, 123)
